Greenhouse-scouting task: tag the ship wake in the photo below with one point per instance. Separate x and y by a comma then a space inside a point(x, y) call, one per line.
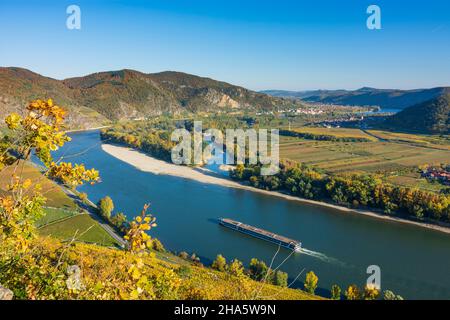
point(321, 256)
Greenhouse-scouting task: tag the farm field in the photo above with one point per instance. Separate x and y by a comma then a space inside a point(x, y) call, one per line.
point(336, 132)
point(55, 196)
point(433, 141)
point(81, 227)
point(55, 214)
point(398, 161)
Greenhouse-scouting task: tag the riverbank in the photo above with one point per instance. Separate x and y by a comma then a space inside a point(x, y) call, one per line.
point(87, 129)
point(149, 164)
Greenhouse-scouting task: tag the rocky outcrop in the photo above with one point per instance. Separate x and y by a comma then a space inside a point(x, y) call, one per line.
point(5, 294)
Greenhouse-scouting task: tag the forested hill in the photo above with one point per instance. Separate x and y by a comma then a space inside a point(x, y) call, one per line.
point(130, 94)
point(385, 98)
point(429, 117)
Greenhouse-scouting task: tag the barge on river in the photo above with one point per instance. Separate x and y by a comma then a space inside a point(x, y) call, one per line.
point(261, 234)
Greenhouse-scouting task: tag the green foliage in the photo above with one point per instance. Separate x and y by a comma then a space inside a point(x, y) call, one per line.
point(311, 282)
point(335, 292)
point(389, 295)
point(353, 190)
point(184, 271)
point(106, 206)
point(353, 293)
point(119, 220)
point(371, 293)
point(236, 268)
point(220, 263)
point(157, 245)
point(431, 116)
point(83, 197)
point(280, 278)
point(258, 270)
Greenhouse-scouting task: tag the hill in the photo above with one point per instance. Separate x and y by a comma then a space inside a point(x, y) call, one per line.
point(385, 98)
point(19, 86)
point(111, 274)
point(125, 94)
point(428, 117)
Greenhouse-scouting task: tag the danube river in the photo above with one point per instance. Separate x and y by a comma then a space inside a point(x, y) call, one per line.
point(414, 261)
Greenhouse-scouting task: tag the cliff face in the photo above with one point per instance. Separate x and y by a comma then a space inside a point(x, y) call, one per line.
point(126, 94)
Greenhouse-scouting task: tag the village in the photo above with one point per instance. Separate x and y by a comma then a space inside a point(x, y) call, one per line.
point(437, 173)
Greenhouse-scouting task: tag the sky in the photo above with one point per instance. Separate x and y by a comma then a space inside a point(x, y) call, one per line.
point(291, 45)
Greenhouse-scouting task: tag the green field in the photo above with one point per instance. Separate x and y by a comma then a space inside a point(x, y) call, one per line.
point(55, 214)
point(397, 160)
point(81, 227)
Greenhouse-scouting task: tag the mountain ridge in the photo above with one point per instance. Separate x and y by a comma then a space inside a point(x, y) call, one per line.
point(365, 96)
point(123, 94)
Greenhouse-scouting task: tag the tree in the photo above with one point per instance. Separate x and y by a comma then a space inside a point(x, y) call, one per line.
point(352, 293)
point(280, 278)
point(106, 206)
point(258, 269)
point(220, 263)
point(311, 282)
point(137, 237)
point(83, 197)
point(236, 268)
point(119, 220)
point(335, 292)
point(157, 245)
point(371, 292)
point(389, 295)
point(21, 203)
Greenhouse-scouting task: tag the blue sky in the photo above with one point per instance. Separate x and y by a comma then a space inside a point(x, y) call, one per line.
point(294, 45)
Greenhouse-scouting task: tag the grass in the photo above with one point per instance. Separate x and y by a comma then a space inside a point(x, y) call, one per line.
point(55, 214)
point(397, 160)
point(54, 194)
point(83, 227)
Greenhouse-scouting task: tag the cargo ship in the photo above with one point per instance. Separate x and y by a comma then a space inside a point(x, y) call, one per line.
point(261, 234)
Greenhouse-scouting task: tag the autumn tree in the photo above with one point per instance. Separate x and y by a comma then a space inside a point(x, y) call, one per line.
point(311, 282)
point(236, 268)
point(371, 292)
point(106, 206)
point(83, 197)
point(39, 130)
point(220, 263)
point(258, 269)
point(119, 220)
point(352, 293)
point(335, 292)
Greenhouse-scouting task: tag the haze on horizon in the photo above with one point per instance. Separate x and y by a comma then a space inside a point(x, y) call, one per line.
point(285, 45)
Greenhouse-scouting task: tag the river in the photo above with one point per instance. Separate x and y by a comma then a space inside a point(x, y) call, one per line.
point(414, 261)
